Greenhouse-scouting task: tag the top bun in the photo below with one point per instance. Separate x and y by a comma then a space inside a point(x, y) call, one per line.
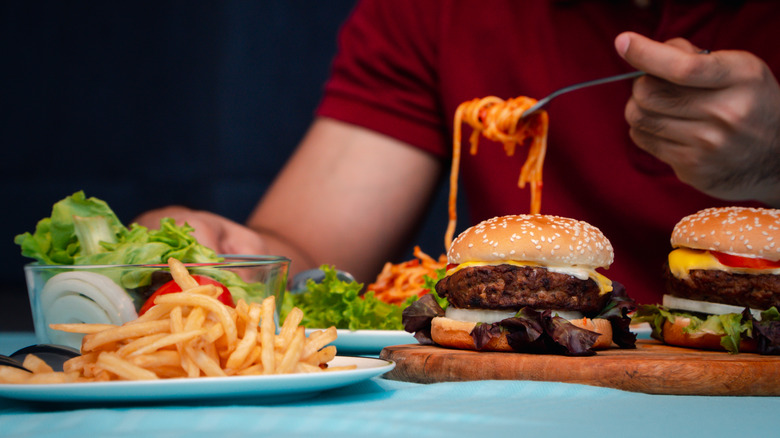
point(547, 240)
point(753, 232)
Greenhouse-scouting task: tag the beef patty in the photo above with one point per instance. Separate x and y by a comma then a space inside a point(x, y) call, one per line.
point(513, 287)
point(760, 291)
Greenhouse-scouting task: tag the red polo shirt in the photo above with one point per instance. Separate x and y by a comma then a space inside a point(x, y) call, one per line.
point(405, 65)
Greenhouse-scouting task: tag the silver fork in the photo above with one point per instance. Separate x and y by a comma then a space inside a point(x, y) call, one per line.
point(539, 104)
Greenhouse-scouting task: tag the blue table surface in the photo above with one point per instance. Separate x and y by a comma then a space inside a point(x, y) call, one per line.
point(381, 407)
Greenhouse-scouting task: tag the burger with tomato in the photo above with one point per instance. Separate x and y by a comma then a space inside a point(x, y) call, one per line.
point(722, 282)
point(526, 283)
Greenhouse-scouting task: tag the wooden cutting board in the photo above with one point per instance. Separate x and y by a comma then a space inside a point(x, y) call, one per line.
point(651, 368)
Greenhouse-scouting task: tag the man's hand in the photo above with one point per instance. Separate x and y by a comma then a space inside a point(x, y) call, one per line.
point(714, 118)
point(216, 232)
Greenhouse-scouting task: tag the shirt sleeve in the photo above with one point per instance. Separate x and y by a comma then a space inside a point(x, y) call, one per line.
point(384, 75)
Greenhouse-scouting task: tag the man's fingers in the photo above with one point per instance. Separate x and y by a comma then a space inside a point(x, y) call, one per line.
point(656, 95)
point(676, 61)
point(659, 131)
point(684, 45)
point(238, 239)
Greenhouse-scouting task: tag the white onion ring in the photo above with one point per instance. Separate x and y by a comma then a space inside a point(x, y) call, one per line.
point(69, 309)
point(705, 307)
point(490, 316)
point(478, 315)
point(83, 297)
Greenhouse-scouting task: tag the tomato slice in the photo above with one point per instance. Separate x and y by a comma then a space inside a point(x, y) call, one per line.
point(451, 265)
point(745, 262)
point(171, 287)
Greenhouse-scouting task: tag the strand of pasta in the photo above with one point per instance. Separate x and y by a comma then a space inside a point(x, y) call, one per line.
point(500, 120)
point(497, 120)
point(397, 282)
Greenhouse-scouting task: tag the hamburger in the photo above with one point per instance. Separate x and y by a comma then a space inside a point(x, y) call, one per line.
point(722, 282)
point(526, 283)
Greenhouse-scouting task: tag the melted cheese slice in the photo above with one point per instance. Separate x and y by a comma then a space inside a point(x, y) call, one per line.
point(683, 260)
point(604, 283)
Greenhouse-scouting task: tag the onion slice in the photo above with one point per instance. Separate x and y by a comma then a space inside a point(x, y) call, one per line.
point(705, 307)
point(491, 316)
point(478, 315)
point(83, 297)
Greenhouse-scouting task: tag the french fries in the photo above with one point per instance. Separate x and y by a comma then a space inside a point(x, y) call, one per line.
point(188, 334)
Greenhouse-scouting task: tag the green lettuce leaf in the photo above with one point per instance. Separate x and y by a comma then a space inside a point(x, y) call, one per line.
point(85, 231)
point(430, 285)
point(55, 241)
point(333, 302)
point(655, 316)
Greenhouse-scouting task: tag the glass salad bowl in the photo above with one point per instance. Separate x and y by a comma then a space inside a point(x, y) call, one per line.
point(115, 294)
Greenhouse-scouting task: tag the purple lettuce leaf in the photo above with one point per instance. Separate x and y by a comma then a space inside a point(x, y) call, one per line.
point(483, 333)
point(417, 317)
point(567, 337)
point(767, 331)
point(538, 332)
point(616, 312)
point(525, 331)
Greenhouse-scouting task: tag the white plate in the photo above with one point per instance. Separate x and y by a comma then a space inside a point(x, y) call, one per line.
point(259, 389)
point(368, 341)
point(642, 330)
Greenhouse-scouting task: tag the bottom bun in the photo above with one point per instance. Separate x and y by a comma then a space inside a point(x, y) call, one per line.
point(673, 334)
point(600, 326)
point(457, 334)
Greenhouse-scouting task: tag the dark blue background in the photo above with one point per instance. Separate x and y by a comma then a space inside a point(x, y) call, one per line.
point(145, 104)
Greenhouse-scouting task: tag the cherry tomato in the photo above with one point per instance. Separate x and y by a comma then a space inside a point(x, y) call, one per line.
point(170, 287)
point(745, 262)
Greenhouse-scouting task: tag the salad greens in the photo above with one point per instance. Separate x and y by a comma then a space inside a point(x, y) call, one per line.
point(334, 302)
point(85, 231)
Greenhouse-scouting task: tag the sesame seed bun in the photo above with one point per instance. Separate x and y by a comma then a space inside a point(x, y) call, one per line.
point(740, 231)
point(543, 239)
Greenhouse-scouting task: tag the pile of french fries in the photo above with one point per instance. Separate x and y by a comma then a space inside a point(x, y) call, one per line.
point(189, 334)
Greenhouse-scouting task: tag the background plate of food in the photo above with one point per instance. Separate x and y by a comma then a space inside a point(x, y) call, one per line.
point(370, 319)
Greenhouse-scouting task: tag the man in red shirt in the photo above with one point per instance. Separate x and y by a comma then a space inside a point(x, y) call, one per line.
point(707, 127)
